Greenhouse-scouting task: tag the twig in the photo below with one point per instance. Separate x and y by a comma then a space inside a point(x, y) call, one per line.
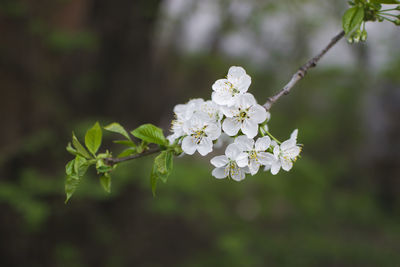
point(271, 100)
point(112, 161)
point(302, 72)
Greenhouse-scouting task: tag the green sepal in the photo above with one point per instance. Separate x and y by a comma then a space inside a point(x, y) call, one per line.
point(150, 134)
point(93, 138)
point(101, 167)
point(117, 128)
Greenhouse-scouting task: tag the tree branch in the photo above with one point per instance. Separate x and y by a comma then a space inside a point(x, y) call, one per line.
point(302, 72)
point(112, 161)
point(271, 100)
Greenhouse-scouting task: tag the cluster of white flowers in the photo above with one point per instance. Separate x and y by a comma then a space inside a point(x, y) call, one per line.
point(200, 125)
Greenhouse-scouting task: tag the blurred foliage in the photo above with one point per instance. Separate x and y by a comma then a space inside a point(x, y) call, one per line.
point(339, 206)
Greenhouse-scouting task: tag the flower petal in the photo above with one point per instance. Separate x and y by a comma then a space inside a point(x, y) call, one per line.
point(189, 145)
point(249, 128)
point(213, 131)
point(232, 151)
point(263, 143)
point(220, 173)
point(266, 158)
point(238, 175)
point(222, 98)
point(221, 85)
point(258, 113)
point(254, 166)
point(219, 161)
point(242, 160)
point(246, 100)
point(275, 167)
point(244, 143)
point(286, 164)
point(231, 126)
point(238, 77)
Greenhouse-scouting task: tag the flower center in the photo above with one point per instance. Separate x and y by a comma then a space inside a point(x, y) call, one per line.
point(253, 155)
point(232, 90)
point(199, 134)
point(242, 115)
point(233, 168)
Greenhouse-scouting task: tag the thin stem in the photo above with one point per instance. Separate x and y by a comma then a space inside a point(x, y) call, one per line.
point(388, 9)
point(271, 100)
point(388, 14)
point(302, 72)
point(112, 161)
point(269, 134)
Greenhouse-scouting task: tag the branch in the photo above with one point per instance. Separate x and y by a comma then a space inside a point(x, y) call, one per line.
point(112, 161)
point(302, 72)
point(271, 100)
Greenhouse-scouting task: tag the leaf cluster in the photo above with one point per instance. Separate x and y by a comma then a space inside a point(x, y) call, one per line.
point(361, 11)
point(87, 155)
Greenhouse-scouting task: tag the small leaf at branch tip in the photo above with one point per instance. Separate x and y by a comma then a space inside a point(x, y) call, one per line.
point(105, 182)
point(115, 127)
point(150, 133)
point(93, 138)
point(79, 148)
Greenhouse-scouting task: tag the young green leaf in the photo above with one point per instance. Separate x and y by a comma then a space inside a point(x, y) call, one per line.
point(162, 168)
point(153, 180)
point(151, 134)
point(71, 150)
point(79, 148)
point(117, 128)
point(93, 138)
point(105, 182)
point(352, 19)
point(127, 152)
point(388, 2)
point(69, 168)
point(80, 166)
point(71, 183)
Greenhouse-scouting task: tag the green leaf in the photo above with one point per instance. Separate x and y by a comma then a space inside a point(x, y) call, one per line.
point(79, 148)
point(71, 183)
point(80, 166)
point(125, 142)
point(352, 19)
point(388, 2)
point(105, 182)
point(71, 150)
point(153, 180)
point(150, 133)
point(93, 138)
point(164, 164)
point(69, 168)
point(162, 168)
point(117, 128)
point(127, 152)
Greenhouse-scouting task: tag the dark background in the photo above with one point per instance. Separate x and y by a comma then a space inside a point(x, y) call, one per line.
point(65, 64)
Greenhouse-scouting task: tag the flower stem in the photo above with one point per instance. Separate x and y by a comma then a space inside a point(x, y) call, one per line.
point(270, 135)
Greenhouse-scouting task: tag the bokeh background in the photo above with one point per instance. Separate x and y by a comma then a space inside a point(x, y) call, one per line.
point(65, 64)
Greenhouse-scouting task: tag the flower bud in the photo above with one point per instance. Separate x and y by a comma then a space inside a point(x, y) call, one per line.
point(357, 36)
point(350, 40)
point(364, 36)
point(397, 22)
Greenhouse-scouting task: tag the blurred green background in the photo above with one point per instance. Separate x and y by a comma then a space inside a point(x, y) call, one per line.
point(66, 63)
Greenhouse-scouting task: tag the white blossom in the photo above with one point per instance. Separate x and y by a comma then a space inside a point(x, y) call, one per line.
point(201, 132)
point(285, 154)
point(231, 164)
point(245, 115)
point(183, 113)
point(227, 90)
point(256, 152)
